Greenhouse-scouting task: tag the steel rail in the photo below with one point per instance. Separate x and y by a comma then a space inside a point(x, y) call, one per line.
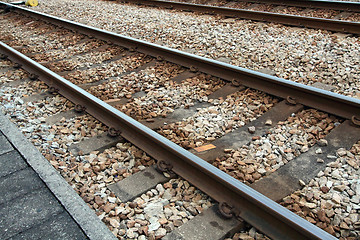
point(326, 101)
point(286, 19)
point(335, 5)
point(258, 210)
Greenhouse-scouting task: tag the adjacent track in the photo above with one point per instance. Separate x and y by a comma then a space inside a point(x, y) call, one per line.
point(292, 20)
point(249, 205)
point(336, 5)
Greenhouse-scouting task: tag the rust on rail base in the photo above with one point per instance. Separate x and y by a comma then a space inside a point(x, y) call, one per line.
point(292, 20)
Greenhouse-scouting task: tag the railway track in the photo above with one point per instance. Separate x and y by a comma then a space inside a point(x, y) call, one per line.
point(336, 5)
point(103, 65)
point(342, 18)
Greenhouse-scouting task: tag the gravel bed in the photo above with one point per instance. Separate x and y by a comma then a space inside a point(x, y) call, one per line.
point(165, 99)
point(331, 200)
point(25, 89)
point(249, 233)
point(318, 13)
point(156, 212)
point(12, 74)
point(90, 174)
point(222, 117)
point(59, 40)
point(49, 46)
point(34, 113)
point(5, 64)
point(300, 11)
point(44, 43)
point(144, 80)
point(69, 49)
point(67, 132)
point(298, 54)
point(288, 10)
point(234, 4)
point(106, 71)
point(262, 7)
point(286, 141)
point(206, 2)
point(85, 60)
point(5, 38)
point(52, 46)
point(354, 17)
point(31, 116)
point(322, 13)
point(28, 26)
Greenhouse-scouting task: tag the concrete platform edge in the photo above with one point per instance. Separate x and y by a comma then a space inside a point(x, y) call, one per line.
point(85, 217)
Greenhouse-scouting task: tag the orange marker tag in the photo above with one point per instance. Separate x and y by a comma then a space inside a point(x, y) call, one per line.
point(205, 147)
point(112, 100)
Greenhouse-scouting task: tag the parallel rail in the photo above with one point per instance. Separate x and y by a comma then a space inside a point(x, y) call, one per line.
point(256, 209)
point(335, 5)
point(286, 19)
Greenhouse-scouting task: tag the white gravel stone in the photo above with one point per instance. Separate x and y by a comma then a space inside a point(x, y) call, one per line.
point(332, 197)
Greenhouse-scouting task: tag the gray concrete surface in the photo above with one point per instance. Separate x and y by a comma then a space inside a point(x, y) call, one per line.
point(8, 167)
point(135, 185)
point(35, 200)
point(5, 146)
point(207, 225)
point(18, 184)
point(99, 143)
